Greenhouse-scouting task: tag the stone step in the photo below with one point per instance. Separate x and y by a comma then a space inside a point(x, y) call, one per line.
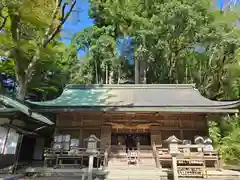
point(141, 161)
point(126, 166)
point(122, 156)
point(126, 163)
point(136, 174)
point(122, 163)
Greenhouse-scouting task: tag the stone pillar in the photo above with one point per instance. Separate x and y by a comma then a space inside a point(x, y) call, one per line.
point(156, 135)
point(105, 137)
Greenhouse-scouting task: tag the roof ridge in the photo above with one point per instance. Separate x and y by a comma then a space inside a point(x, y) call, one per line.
point(131, 86)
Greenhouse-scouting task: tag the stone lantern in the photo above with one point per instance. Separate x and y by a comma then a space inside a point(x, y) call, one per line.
point(173, 149)
point(92, 141)
point(173, 144)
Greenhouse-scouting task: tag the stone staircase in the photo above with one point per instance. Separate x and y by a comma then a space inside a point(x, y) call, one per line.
point(118, 167)
point(119, 160)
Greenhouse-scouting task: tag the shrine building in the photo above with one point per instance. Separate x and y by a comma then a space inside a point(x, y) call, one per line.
point(120, 113)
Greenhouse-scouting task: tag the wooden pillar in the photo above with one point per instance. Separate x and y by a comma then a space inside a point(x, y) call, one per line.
point(56, 131)
point(181, 129)
point(155, 135)
point(105, 137)
point(81, 143)
point(79, 119)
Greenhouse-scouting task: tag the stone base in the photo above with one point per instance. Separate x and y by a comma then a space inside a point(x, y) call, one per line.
point(126, 174)
point(214, 175)
point(66, 173)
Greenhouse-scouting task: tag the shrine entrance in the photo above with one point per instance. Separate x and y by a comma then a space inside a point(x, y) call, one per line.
point(130, 140)
point(129, 136)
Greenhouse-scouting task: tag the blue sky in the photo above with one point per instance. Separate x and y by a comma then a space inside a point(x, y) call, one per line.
point(223, 3)
point(78, 21)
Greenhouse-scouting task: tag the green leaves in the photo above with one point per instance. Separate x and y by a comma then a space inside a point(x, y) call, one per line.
point(230, 143)
point(7, 68)
point(99, 43)
point(29, 35)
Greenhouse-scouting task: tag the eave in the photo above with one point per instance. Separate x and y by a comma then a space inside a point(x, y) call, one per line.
point(137, 109)
point(134, 97)
point(20, 130)
point(23, 109)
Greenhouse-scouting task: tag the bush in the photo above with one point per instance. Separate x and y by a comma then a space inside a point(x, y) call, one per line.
point(226, 138)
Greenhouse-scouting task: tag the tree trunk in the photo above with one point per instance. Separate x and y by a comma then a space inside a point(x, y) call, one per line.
point(136, 71)
point(21, 88)
point(111, 76)
point(172, 66)
point(106, 74)
point(186, 74)
point(119, 75)
point(96, 73)
point(143, 72)
point(16, 55)
point(145, 76)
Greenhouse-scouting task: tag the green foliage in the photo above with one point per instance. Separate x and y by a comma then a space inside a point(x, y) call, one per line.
point(99, 43)
point(82, 73)
point(51, 74)
point(165, 34)
point(229, 144)
point(214, 132)
point(29, 29)
point(226, 138)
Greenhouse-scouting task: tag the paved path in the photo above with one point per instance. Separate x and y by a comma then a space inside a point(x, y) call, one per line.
point(133, 173)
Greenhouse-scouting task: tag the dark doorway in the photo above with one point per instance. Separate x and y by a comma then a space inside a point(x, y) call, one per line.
point(26, 149)
point(130, 142)
point(131, 139)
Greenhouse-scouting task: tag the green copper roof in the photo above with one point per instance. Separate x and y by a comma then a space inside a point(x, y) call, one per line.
point(19, 129)
point(24, 109)
point(8, 110)
point(158, 97)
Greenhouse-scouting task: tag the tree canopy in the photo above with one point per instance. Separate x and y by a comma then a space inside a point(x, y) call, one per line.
point(30, 34)
point(174, 42)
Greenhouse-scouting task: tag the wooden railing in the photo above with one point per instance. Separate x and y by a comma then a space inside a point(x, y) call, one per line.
point(106, 156)
point(133, 157)
point(57, 156)
point(189, 152)
point(156, 156)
